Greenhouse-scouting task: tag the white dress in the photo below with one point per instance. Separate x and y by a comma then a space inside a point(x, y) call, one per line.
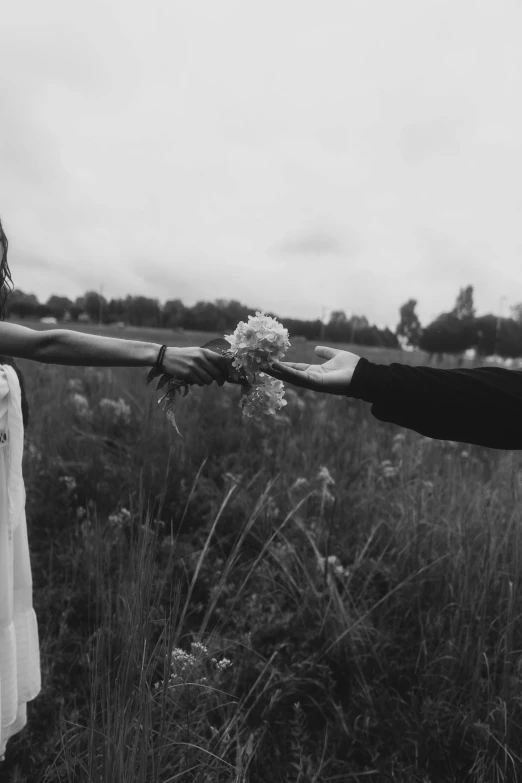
point(19, 645)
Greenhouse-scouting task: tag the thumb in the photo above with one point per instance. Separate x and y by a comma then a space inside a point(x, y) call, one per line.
point(326, 353)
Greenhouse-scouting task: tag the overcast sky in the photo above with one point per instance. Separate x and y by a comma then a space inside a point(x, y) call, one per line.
point(293, 154)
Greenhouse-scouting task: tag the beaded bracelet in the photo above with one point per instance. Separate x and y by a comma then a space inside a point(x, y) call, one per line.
point(161, 355)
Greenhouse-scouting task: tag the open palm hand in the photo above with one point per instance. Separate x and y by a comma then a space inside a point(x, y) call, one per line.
point(332, 377)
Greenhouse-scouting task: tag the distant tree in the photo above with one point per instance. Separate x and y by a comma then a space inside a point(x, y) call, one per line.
point(233, 312)
point(509, 338)
point(358, 326)
point(464, 309)
point(486, 334)
point(409, 326)
point(448, 334)
point(116, 310)
point(94, 305)
point(206, 317)
point(59, 306)
point(142, 311)
point(338, 318)
point(74, 312)
point(172, 314)
point(22, 305)
point(389, 339)
point(337, 327)
point(309, 329)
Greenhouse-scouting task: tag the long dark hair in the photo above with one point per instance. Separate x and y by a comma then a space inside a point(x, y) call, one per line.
point(6, 286)
point(6, 281)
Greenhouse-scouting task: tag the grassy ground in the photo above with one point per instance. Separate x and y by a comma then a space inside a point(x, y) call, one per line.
point(318, 598)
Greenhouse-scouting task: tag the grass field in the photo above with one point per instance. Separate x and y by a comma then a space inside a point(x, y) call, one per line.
point(320, 597)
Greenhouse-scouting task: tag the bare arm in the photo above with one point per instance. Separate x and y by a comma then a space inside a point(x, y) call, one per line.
point(65, 346)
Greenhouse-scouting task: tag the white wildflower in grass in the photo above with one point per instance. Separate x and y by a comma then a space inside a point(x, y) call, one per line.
point(326, 481)
point(117, 410)
point(191, 668)
point(222, 665)
point(75, 385)
point(333, 563)
point(33, 451)
point(398, 443)
point(120, 518)
point(69, 483)
point(258, 343)
point(324, 476)
point(389, 470)
point(81, 405)
point(81, 513)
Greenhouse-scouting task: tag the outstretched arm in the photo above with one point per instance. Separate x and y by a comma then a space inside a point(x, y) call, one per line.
point(481, 405)
point(66, 346)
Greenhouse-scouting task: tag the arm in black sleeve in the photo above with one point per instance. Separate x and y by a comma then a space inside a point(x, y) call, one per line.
point(481, 405)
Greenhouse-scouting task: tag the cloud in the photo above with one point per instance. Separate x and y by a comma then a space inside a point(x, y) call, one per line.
point(312, 244)
point(200, 150)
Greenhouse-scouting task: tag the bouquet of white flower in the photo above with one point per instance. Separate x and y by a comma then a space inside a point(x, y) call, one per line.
point(251, 349)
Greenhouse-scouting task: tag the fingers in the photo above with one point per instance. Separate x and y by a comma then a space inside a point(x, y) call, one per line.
point(215, 365)
point(325, 352)
point(293, 365)
point(200, 366)
point(203, 377)
point(306, 379)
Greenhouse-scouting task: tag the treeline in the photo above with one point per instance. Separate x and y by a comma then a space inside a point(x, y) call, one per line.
point(222, 315)
point(454, 331)
point(460, 329)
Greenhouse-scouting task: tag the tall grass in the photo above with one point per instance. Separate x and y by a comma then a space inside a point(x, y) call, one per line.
point(363, 582)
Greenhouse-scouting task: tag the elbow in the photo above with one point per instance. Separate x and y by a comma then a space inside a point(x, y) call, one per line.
point(44, 346)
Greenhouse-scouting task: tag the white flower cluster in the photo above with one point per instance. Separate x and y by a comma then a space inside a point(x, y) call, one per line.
point(331, 562)
point(120, 518)
point(117, 410)
point(187, 668)
point(81, 405)
point(258, 343)
point(69, 483)
point(253, 348)
point(265, 396)
point(389, 470)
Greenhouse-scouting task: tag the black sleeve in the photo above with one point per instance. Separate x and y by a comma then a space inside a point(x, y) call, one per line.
point(481, 405)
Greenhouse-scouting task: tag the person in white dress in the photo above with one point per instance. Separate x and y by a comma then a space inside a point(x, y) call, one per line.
point(20, 679)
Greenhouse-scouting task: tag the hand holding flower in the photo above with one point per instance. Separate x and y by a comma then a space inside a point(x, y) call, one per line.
point(243, 358)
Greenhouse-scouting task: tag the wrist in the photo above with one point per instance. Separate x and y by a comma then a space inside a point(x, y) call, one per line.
point(153, 354)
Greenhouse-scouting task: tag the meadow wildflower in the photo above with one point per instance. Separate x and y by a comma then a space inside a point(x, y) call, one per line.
point(299, 483)
point(331, 562)
point(119, 518)
point(117, 410)
point(191, 668)
point(81, 405)
point(388, 469)
point(75, 385)
point(69, 482)
point(325, 477)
